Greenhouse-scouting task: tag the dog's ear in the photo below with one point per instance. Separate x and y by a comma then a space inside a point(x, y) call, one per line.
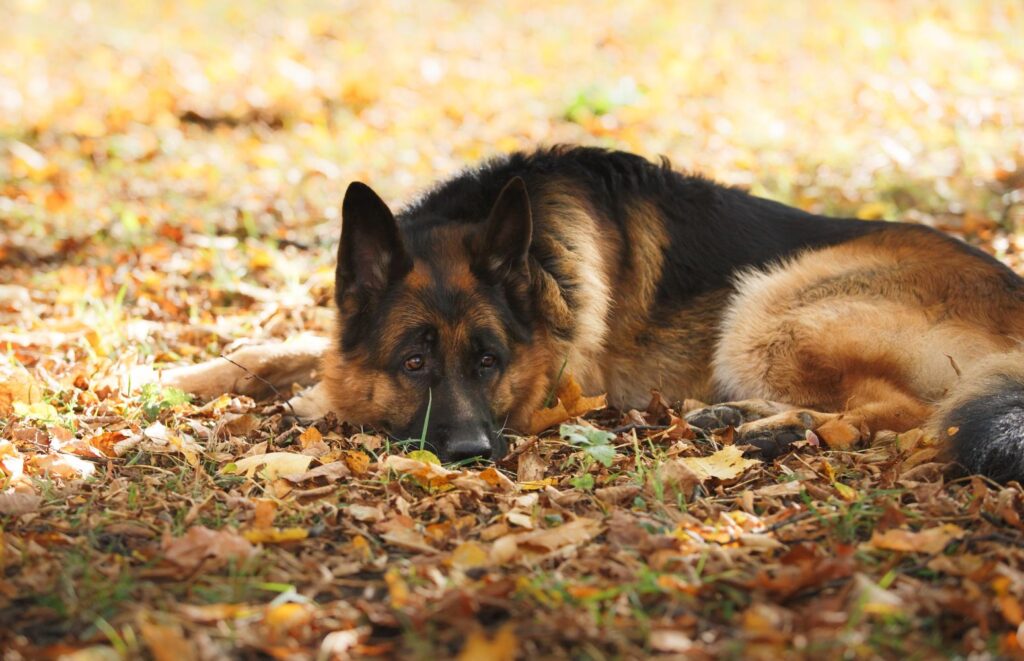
point(506, 238)
point(370, 255)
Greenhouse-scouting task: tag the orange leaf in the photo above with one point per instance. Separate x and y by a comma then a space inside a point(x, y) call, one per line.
point(358, 462)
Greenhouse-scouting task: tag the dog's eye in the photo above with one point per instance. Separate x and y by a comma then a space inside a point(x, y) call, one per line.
point(413, 363)
point(488, 360)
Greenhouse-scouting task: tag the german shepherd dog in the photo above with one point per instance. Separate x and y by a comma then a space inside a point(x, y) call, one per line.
point(632, 276)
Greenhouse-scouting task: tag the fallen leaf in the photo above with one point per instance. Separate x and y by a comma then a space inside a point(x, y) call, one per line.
point(263, 514)
point(503, 646)
point(166, 642)
point(569, 403)
point(206, 548)
point(274, 464)
point(669, 641)
point(310, 437)
point(931, 540)
point(357, 461)
point(275, 535)
point(725, 464)
point(545, 540)
point(331, 472)
point(874, 599)
point(365, 513)
point(468, 555)
point(433, 474)
point(13, 503)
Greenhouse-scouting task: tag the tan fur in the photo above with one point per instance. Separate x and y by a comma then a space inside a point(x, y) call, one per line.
point(579, 250)
point(870, 328)
point(362, 395)
point(976, 382)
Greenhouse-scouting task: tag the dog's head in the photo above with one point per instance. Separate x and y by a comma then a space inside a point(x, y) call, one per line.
point(437, 333)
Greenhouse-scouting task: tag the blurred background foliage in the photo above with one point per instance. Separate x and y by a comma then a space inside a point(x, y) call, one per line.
point(139, 122)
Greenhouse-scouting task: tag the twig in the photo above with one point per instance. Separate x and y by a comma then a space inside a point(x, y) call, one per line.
point(267, 383)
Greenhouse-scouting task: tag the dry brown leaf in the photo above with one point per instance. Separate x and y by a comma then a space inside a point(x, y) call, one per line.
point(569, 403)
point(930, 540)
point(531, 467)
point(430, 473)
point(332, 472)
point(13, 503)
point(409, 539)
point(209, 549)
point(59, 464)
point(619, 494)
point(548, 417)
point(263, 514)
point(574, 532)
point(166, 642)
point(365, 513)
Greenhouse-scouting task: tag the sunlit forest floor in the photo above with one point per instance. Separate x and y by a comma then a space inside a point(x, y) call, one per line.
point(170, 181)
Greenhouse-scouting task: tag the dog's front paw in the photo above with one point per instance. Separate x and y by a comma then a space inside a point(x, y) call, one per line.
point(715, 417)
point(771, 442)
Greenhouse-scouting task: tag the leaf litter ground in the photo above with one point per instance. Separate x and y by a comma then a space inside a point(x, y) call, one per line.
point(169, 194)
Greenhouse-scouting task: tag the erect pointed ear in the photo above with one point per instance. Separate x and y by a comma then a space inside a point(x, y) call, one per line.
point(370, 255)
point(507, 235)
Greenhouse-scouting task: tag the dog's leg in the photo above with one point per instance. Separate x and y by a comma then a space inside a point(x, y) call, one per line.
point(733, 414)
point(257, 370)
point(873, 404)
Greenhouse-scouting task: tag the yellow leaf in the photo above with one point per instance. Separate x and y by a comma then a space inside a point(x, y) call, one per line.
point(361, 548)
point(281, 618)
point(16, 387)
point(931, 540)
point(275, 464)
point(41, 411)
point(426, 456)
point(537, 485)
point(275, 535)
point(468, 555)
point(846, 492)
point(398, 589)
point(480, 647)
point(726, 464)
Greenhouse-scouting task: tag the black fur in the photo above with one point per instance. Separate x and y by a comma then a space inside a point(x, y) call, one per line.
point(989, 436)
point(700, 212)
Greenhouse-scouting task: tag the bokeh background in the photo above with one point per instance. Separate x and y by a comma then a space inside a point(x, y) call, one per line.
point(185, 161)
point(171, 174)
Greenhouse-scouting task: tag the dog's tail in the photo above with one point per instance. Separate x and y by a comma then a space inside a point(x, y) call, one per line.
point(982, 418)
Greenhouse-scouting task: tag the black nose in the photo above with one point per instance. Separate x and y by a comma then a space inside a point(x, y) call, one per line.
point(468, 446)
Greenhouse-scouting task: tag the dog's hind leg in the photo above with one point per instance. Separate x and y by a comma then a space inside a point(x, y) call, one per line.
point(872, 404)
